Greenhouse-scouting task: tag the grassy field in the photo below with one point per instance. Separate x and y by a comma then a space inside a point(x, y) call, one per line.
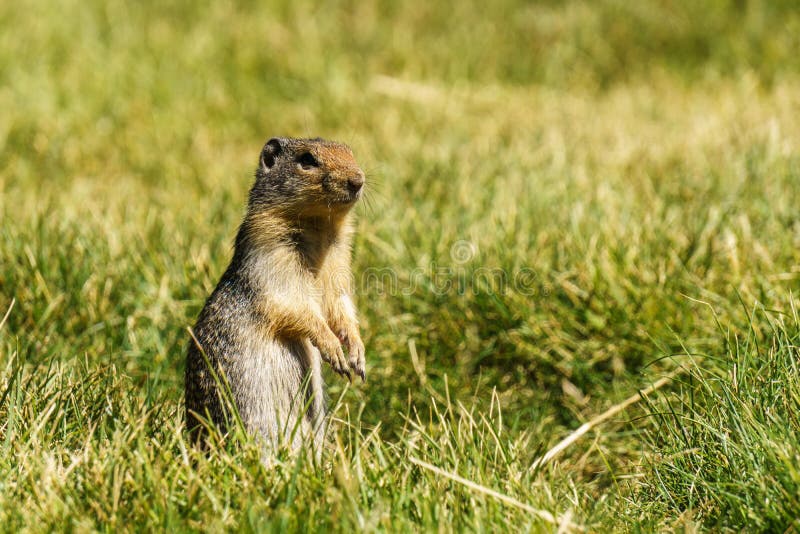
point(567, 201)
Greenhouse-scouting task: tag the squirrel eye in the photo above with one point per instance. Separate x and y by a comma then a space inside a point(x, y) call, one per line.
point(307, 160)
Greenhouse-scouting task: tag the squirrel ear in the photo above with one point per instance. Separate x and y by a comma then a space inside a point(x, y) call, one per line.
point(271, 150)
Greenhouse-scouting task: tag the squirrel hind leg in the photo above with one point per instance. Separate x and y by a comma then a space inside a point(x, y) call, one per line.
point(312, 361)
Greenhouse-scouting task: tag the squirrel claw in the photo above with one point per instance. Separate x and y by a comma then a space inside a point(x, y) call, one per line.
point(355, 348)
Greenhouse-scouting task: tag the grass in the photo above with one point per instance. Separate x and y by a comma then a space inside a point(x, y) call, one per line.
point(567, 201)
point(732, 435)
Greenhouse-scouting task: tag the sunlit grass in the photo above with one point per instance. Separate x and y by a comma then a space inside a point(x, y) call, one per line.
point(637, 163)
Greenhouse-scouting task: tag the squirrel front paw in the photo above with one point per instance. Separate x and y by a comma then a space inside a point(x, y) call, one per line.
point(357, 353)
point(351, 339)
point(331, 351)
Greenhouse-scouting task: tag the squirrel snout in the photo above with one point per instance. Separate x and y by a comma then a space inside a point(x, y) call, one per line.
point(356, 182)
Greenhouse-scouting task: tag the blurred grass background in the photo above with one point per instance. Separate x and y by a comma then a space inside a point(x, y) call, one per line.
point(638, 161)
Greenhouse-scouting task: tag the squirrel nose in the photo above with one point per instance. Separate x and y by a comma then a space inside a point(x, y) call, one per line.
point(356, 182)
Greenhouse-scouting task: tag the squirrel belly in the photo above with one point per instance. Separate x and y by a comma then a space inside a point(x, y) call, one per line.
point(271, 381)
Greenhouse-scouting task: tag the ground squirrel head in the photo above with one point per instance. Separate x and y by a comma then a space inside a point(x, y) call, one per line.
point(306, 178)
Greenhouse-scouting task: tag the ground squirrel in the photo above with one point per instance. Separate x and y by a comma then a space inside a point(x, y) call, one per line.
point(285, 300)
